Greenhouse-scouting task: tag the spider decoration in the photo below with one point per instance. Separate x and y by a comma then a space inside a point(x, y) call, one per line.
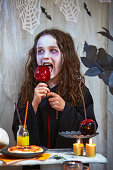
point(99, 62)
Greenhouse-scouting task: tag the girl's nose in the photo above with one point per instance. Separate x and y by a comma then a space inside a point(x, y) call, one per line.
point(46, 55)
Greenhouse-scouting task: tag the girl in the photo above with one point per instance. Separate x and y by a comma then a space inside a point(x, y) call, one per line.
point(56, 106)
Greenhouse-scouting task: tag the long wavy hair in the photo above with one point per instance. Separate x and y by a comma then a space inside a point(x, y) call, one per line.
point(70, 77)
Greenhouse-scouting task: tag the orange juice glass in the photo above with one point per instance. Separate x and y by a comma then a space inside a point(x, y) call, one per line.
point(22, 136)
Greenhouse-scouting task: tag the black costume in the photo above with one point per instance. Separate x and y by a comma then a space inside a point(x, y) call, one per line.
point(68, 120)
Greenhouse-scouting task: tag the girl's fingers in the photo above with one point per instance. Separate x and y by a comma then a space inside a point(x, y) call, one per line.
point(54, 103)
point(52, 94)
point(40, 89)
point(42, 84)
point(42, 92)
point(51, 99)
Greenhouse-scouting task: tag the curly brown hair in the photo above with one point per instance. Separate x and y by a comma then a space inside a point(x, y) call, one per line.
point(69, 76)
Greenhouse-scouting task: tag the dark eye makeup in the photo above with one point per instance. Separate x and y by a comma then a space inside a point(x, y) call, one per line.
point(53, 50)
point(40, 51)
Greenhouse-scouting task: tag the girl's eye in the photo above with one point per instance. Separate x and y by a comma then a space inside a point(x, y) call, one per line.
point(40, 51)
point(53, 51)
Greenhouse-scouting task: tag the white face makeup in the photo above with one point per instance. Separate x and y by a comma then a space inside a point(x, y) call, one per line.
point(49, 52)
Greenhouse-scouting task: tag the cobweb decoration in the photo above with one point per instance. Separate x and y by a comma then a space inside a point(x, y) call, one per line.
point(1, 4)
point(29, 12)
point(69, 8)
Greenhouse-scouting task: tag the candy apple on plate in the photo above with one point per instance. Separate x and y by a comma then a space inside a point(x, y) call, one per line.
point(88, 127)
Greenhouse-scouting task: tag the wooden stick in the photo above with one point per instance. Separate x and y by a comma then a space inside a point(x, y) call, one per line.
point(82, 100)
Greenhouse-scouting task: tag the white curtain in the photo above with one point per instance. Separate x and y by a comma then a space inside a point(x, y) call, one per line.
point(16, 42)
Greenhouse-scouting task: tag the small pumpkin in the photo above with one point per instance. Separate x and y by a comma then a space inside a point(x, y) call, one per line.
point(4, 138)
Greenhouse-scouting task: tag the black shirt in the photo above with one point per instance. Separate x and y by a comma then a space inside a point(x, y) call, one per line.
point(68, 120)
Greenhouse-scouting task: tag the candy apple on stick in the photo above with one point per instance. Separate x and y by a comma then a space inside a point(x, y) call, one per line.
point(87, 126)
point(42, 73)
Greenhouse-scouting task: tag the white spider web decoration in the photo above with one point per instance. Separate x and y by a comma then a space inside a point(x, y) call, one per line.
point(1, 4)
point(29, 12)
point(69, 8)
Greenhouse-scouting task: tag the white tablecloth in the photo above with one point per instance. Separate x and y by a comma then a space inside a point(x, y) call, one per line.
point(66, 154)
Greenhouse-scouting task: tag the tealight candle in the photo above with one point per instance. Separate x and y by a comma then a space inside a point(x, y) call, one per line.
point(90, 149)
point(78, 148)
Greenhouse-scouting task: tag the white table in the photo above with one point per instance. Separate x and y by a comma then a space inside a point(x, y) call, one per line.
point(67, 155)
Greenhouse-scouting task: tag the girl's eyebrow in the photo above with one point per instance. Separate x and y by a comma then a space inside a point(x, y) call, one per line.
point(39, 47)
point(53, 46)
point(49, 47)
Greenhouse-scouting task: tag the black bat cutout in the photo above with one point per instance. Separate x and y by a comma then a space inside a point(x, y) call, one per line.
point(99, 64)
point(88, 12)
point(105, 29)
point(106, 33)
point(44, 11)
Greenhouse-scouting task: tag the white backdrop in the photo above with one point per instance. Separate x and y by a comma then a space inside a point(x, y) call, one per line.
point(16, 42)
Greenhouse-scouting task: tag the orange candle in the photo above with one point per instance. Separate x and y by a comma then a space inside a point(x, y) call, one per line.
point(78, 148)
point(90, 149)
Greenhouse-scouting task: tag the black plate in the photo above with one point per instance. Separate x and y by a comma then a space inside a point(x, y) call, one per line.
point(74, 134)
point(22, 155)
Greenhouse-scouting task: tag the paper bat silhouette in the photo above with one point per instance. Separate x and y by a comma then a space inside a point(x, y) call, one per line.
point(99, 64)
point(44, 11)
point(88, 12)
point(106, 34)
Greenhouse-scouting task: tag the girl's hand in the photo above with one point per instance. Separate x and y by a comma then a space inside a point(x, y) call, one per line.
point(40, 92)
point(56, 101)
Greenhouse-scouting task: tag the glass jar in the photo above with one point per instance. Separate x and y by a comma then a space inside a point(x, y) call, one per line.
point(22, 136)
point(74, 165)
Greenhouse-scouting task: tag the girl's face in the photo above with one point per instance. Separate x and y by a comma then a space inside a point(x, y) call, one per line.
point(48, 53)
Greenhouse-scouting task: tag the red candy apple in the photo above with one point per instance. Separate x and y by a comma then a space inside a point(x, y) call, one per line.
point(87, 127)
point(42, 73)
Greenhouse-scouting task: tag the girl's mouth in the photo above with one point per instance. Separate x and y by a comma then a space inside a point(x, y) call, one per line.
point(49, 65)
